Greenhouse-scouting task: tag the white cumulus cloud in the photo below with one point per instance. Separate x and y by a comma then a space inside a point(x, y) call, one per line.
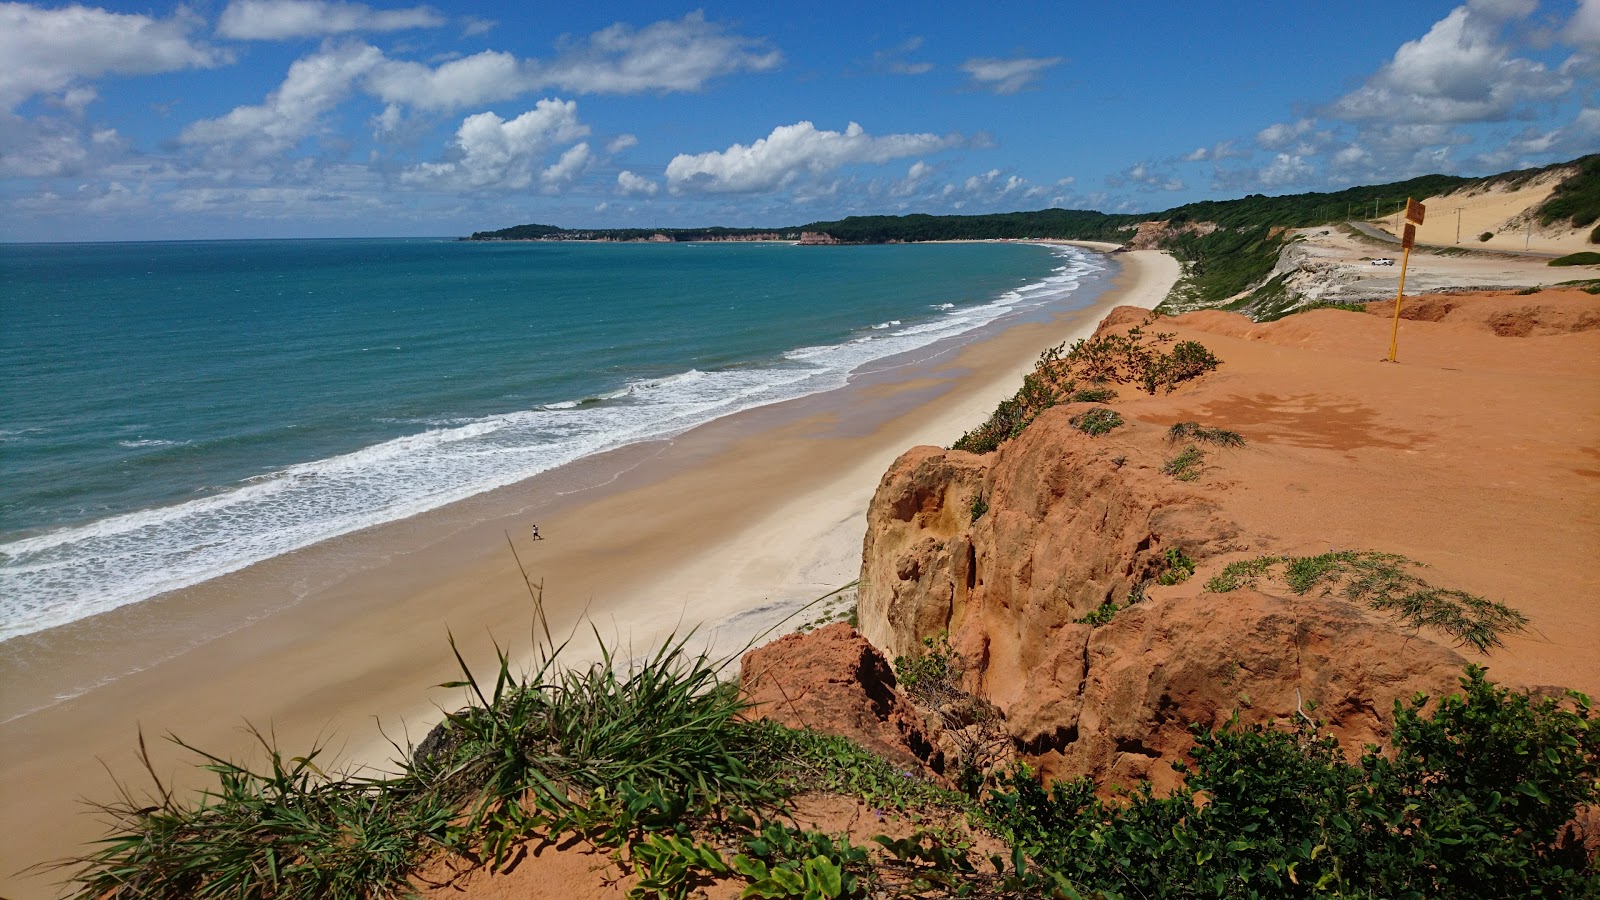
point(47, 50)
point(567, 168)
point(1007, 76)
point(273, 20)
point(790, 151)
point(672, 55)
point(314, 86)
point(630, 183)
point(492, 152)
point(1460, 71)
point(471, 80)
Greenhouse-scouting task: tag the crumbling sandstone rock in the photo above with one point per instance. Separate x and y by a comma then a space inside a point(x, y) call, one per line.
point(833, 681)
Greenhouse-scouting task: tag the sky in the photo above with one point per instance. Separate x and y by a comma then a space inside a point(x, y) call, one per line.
point(325, 118)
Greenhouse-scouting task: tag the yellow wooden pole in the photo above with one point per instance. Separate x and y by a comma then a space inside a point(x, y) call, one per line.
point(1394, 331)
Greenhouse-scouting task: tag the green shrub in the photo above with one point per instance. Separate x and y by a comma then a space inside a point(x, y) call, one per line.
point(978, 506)
point(1486, 236)
point(1468, 806)
point(1096, 422)
point(1178, 567)
point(1577, 198)
point(1585, 258)
point(1131, 358)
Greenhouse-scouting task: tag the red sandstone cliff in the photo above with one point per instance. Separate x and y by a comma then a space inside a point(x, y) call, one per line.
point(1344, 451)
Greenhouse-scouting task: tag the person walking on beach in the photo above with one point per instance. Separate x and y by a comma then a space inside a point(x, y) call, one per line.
point(536, 535)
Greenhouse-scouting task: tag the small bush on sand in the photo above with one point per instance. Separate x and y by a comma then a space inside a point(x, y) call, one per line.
point(1486, 236)
point(1096, 422)
point(1584, 258)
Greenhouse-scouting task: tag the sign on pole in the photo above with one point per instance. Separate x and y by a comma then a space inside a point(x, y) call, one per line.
point(1414, 211)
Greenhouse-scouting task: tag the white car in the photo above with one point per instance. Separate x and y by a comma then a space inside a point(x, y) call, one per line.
point(1383, 262)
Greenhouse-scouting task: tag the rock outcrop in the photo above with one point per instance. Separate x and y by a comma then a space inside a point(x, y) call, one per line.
point(1070, 526)
point(1008, 553)
point(833, 681)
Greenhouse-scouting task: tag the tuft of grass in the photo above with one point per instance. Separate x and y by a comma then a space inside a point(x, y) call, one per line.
point(1486, 236)
point(1187, 465)
point(1385, 582)
point(1093, 395)
point(289, 830)
point(1194, 431)
point(802, 761)
point(1332, 304)
point(1528, 291)
point(1098, 421)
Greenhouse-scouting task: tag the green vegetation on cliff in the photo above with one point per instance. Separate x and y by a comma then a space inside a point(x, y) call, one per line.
point(656, 764)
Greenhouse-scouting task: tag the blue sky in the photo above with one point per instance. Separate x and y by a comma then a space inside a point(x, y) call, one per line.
point(290, 118)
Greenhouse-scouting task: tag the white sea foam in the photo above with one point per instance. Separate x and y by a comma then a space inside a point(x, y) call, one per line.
point(52, 578)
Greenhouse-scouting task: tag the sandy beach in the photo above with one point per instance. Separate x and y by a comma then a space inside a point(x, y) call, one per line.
point(728, 528)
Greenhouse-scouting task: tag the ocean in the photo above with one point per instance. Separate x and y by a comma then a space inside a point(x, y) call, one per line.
point(171, 412)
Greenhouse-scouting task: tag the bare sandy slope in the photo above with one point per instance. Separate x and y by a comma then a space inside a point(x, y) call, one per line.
point(728, 527)
point(1460, 218)
point(1477, 453)
point(1330, 263)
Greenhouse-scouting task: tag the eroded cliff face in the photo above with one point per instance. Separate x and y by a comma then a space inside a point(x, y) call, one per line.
point(1006, 553)
point(1073, 522)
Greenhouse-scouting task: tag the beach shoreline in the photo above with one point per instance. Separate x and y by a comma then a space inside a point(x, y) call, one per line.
point(730, 526)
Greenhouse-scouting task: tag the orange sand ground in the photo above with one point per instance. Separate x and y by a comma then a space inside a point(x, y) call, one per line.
point(1478, 453)
point(761, 510)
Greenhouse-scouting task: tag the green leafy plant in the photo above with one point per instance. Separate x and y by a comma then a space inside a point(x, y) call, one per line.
point(1241, 573)
point(1187, 465)
point(1467, 804)
point(978, 506)
point(1096, 422)
point(1486, 236)
point(1102, 614)
point(1178, 567)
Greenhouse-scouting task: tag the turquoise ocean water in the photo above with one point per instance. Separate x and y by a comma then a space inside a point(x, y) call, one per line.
point(170, 412)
